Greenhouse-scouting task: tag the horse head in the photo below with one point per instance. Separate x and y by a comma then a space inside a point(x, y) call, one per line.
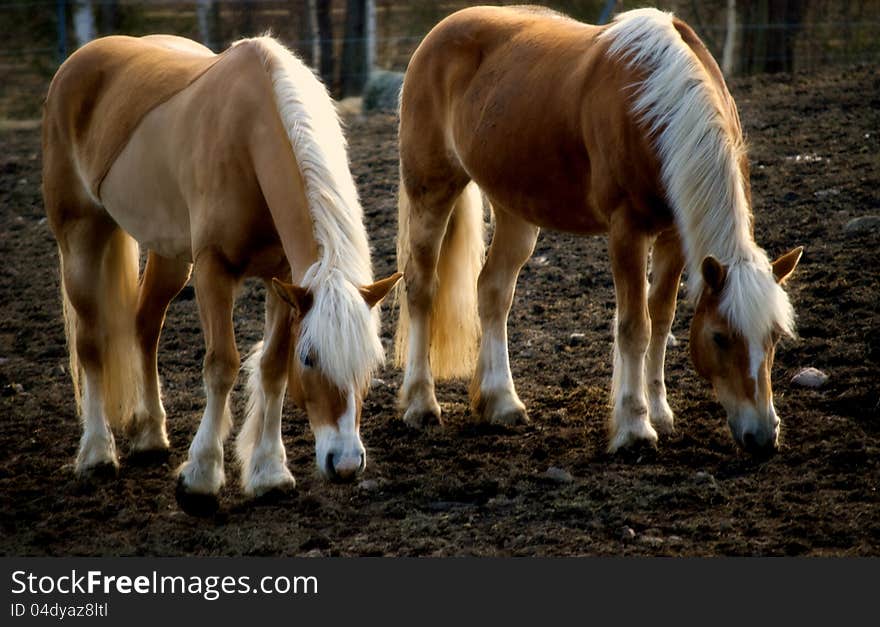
point(741, 314)
point(330, 379)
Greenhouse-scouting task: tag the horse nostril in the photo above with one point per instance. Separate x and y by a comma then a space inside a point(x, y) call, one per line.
point(758, 449)
point(330, 468)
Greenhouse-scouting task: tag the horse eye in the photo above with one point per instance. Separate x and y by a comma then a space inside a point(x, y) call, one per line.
point(308, 360)
point(721, 340)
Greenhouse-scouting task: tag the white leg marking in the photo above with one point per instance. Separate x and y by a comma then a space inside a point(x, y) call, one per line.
point(266, 469)
point(203, 471)
point(417, 392)
point(97, 445)
point(497, 392)
point(148, 427)
point(629, 420)
point(659, 412)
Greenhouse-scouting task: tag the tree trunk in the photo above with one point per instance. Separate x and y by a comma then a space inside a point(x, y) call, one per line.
point(84, 22)
point(729, 53)
point(357, 49)
point(208, 18)
point(109, 16)
point(325, 43)
point(307, 33)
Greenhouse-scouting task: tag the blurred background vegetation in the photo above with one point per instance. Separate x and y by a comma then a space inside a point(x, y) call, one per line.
point(344, 40)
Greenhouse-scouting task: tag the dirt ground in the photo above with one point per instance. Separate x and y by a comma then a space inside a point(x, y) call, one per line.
point(465, 489)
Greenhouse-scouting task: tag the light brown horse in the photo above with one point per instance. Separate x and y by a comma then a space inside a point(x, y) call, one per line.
point(626, 129)
point(224, 167)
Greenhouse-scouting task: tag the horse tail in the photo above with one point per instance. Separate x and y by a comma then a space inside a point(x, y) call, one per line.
point(70, 325)
point(455, 321)
point(252, 429)
point(121, 372)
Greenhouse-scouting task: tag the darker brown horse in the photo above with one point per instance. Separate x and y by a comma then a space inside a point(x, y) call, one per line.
point(626, 129)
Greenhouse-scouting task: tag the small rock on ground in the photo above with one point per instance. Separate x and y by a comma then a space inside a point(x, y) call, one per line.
point(558, 475)
point(862, 225)
point(704, 477)
point(810, 378)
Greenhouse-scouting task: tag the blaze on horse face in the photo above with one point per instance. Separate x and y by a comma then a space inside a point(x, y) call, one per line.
point(738, 368)
point(334, 413)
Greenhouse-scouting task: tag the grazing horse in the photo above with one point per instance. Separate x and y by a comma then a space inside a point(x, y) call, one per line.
point(626, 129)
point(223, 167)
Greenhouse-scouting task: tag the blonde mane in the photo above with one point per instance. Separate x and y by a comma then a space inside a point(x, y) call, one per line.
point(340, 328)
point(699, 155)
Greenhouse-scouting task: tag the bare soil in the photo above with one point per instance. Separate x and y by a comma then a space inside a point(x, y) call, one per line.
point(479, 490)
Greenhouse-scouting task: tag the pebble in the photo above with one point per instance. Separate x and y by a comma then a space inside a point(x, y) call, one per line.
point(810, 378)
point(671, 341)
point(862, 225)
point(558, 475)
point(704, 477)
point(368, 485)
point(627, 534)
point(577, 339)
point(651, 540)
point(539, 261)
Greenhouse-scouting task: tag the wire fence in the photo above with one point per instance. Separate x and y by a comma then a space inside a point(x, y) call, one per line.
point(769, 35)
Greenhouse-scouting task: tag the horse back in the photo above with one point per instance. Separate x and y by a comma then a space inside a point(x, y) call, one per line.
point(536, 113)
point(101, 93)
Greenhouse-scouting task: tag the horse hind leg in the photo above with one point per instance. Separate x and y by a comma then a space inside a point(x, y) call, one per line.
point(99, 265)
point(628, 249)
point(201, 476)
point(259, 446)
point(493, 396)
point(667, 264)
point(162, 280)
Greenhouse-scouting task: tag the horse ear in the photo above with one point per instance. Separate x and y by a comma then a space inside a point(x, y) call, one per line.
point(375, 292)
point(786, 264)
point(713, 273)
point(299, 298)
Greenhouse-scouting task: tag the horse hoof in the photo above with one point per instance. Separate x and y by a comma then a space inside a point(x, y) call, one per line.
point(636, 451)
point(510, 418)
point(275, 495)
point(99, 472)
point(663, 427)
point(421, 419)
point(151, 457)
point(195, 503)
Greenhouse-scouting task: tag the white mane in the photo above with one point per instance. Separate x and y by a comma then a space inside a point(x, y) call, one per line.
point(340, 328)
point(700, 157)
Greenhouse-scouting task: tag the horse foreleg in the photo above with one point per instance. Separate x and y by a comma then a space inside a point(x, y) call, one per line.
point(667, 263)
point(201, 476)
point(628, 249)
point(259, 445)
point(493, 396)
point(162, 281)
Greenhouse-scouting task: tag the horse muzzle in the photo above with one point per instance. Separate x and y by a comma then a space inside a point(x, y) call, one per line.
point(759, 438)
point(344, 468)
